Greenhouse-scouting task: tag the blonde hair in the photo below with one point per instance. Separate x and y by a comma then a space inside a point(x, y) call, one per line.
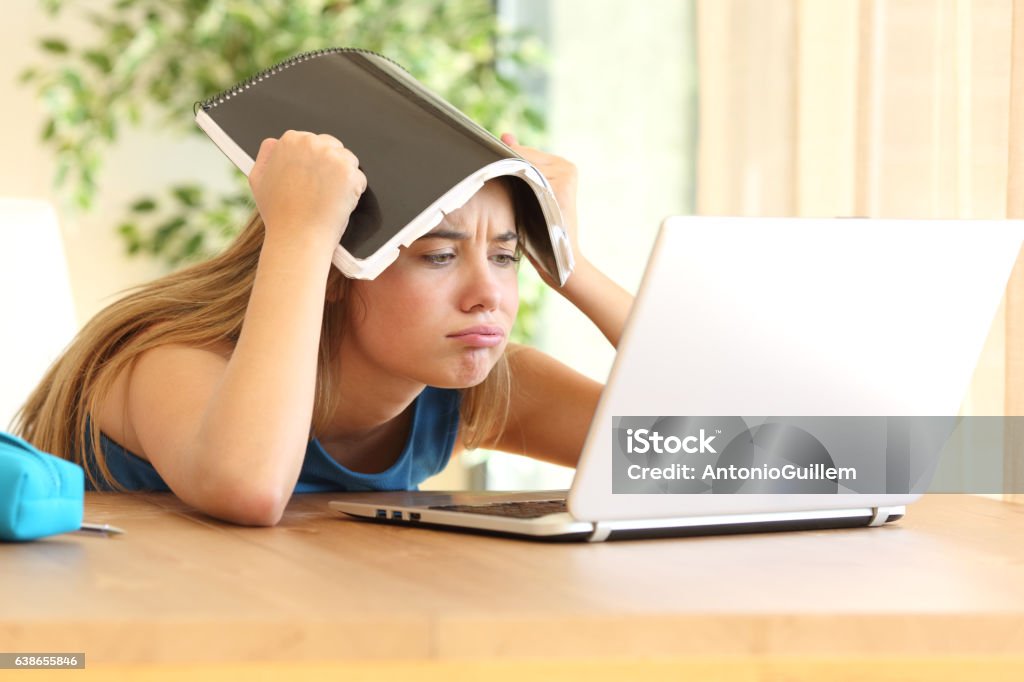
point(198, 306)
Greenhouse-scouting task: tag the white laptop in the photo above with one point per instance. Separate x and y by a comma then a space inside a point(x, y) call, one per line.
point(756, 316)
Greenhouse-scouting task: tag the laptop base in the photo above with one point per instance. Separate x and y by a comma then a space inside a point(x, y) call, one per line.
point(563, 528)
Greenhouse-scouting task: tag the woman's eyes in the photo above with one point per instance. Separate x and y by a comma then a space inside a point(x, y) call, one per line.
point(503, 259)
point(439, 258)
point(506, 258)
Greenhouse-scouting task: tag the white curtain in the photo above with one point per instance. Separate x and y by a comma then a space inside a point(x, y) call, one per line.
point(876, 108)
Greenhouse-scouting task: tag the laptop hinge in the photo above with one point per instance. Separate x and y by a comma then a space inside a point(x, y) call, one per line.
point(601, 532)
point(879, 515)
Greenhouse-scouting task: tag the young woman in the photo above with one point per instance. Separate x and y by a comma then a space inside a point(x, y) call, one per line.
point(264, 371)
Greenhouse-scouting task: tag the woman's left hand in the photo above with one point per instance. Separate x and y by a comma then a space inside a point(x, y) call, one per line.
point(599, 298)
point(561, 175)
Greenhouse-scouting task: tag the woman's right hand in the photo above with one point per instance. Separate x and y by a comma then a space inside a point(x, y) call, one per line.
point(305, 183)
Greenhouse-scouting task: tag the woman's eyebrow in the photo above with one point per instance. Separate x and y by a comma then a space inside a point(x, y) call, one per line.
point(458, 235)
point(445, 233)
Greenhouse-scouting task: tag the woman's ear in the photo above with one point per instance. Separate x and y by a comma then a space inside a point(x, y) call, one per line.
point(337, 284)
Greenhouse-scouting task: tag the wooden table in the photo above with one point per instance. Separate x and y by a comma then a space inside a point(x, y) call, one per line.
point(944, 587)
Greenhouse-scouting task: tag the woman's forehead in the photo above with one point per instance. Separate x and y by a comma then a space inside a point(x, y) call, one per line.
point(492, 201)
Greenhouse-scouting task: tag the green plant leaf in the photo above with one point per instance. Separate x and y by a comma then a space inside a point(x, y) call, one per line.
point(193, 246)
point(83, 198)
point(534, 118)
point(54, 45)
point(130, 236)
point(52, 7)
point(98, 59)
point(146, 205)
point(189, 195)
point(165, 231)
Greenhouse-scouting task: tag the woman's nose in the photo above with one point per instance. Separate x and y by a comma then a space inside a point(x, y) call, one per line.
point(481, 286)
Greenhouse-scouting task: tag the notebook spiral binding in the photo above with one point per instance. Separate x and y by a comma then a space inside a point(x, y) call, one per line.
point(220, 97)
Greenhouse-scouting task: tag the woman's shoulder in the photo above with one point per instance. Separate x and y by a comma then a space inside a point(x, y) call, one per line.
point(151, 368)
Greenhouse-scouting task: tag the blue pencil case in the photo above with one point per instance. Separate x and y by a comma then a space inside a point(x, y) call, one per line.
point(40, 494)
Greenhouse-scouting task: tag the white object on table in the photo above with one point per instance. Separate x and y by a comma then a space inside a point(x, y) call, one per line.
point(37, 315)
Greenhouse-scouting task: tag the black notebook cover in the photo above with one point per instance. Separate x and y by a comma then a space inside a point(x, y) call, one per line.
point(422, 157)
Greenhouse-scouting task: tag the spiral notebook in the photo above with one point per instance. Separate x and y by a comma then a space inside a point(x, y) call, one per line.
point(421, 156)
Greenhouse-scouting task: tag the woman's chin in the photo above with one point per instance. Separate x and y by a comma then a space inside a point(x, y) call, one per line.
point(468, 371)
point(461, 381)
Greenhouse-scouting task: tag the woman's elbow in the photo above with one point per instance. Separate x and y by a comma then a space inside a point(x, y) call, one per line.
point(246, 505)
point(259, 508)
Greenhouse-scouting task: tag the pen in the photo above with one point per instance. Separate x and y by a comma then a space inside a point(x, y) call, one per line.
point(101, 529)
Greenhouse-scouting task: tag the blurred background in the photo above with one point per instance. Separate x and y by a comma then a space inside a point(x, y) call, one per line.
point(878, 108)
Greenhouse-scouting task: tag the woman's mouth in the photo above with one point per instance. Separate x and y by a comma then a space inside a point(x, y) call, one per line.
point(481, 336)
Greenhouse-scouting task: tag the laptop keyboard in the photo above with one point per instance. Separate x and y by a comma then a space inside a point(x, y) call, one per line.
point(530, 509)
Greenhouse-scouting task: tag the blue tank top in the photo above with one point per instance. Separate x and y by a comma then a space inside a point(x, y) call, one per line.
point(435, 423)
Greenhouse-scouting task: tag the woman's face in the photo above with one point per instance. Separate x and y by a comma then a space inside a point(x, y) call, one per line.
point(442, 312)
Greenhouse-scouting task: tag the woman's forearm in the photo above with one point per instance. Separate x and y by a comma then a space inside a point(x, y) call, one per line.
point(254, 432)
point(599, 298)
